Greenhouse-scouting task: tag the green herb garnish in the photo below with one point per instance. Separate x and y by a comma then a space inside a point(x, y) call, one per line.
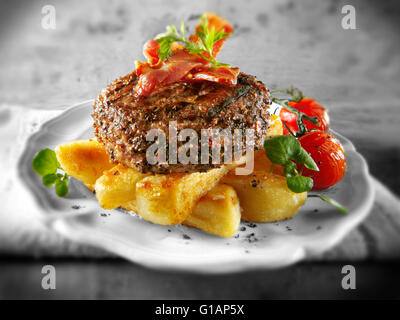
point(287, 151)
point(45, 163)
point(206, 43)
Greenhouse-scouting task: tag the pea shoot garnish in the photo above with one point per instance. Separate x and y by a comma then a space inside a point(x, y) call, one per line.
point(45, 163)
point(203, 48)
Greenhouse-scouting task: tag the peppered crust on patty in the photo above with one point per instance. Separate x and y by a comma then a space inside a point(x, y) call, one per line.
point(122, 120)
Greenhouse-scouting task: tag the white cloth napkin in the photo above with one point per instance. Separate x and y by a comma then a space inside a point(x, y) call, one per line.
point(22, 233)
point(21, 230)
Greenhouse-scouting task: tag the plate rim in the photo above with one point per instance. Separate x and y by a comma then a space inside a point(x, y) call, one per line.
point(143, 258)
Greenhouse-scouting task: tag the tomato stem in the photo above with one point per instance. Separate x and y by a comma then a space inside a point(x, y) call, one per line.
point(300, 115)
point(331, 201)
point(292, 92)
point(288, 129)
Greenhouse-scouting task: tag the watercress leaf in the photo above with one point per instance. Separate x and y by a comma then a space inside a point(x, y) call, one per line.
point(303, 157)
point(299, 184)
point(332, 202)
point(49, 180)
point(45, 162)
point(290, 169)
point(281, 149)
point(62, 187)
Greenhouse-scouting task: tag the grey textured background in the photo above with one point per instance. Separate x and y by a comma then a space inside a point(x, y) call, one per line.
point(355, 73)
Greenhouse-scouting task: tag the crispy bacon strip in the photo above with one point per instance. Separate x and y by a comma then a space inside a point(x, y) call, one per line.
point(182, 66)
point(176, 68)
point(221, 75)
point(150, 49)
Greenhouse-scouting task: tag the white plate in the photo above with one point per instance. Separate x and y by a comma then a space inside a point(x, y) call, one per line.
point(316, 228)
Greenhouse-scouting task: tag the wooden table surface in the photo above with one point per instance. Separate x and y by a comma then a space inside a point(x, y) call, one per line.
point(355, 73)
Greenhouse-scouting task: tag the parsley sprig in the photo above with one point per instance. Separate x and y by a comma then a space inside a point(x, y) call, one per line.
point(45, 163)
point(208, 37)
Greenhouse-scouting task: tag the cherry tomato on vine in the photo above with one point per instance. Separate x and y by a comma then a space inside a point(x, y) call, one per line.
point(309, 107)
point(329, 156)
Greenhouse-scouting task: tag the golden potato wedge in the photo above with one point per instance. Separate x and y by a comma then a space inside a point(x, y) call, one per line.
point(85, 160)
point(117, 186)
point(218, 212)
point(264, 196)
point(275, 127)
point(262, 163)
point(169, 199)
point(130, 206)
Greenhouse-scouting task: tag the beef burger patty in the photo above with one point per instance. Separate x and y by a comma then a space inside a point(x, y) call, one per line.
point(122, 120)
